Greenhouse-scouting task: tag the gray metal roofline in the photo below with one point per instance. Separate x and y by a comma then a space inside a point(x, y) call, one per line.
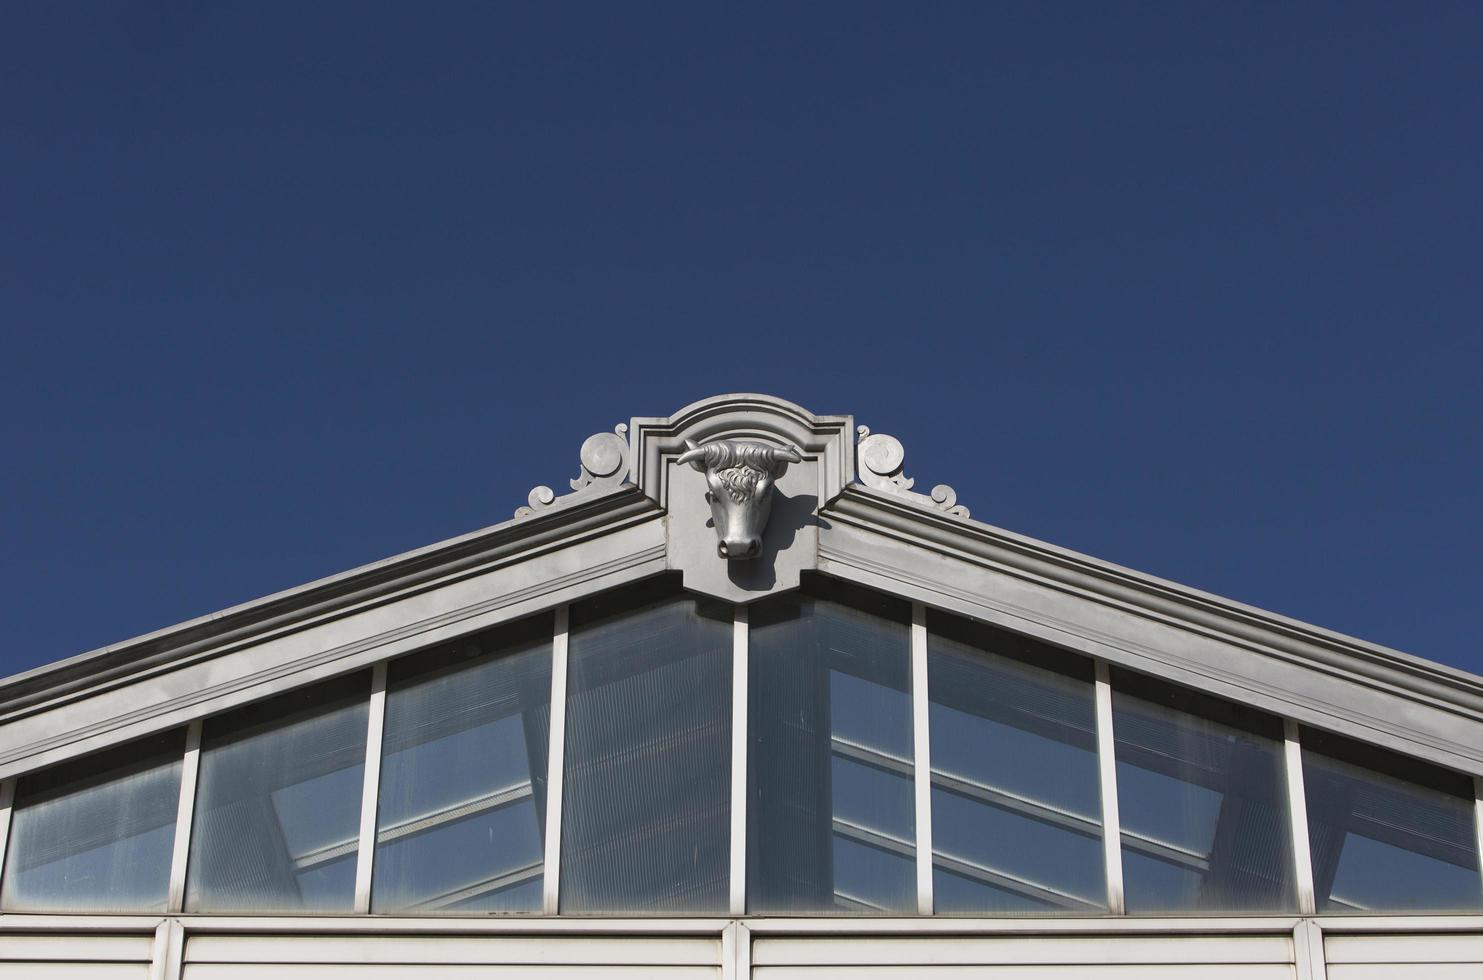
point(430, 562)
point(1041, 556)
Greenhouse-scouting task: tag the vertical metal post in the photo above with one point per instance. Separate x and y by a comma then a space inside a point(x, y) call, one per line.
point(555, 766)
point(1112, 834)
point(370, 794)
point(1297, 807)
point(184, 816)
point(739, 668)
point(922, 756)
point(1307, 940)
point(7, 802)
point(741, 951)
point(159, 950)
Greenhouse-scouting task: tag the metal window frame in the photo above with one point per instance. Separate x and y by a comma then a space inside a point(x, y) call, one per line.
point(7, 804)
point(370, 789)
point(740, 637)
point(921, 757)
point(923, 782)
point(185, 813)
point(555, 762)
point(1297, 809)
point(1112, 836)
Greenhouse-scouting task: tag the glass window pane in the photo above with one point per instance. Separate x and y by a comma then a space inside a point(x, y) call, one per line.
point(278, 803)
point(647, 780)
point(96, 835)
point(831, 808)
point(1016, 800)
point(461, 813)
point(1388, 834)
point(1202, 795)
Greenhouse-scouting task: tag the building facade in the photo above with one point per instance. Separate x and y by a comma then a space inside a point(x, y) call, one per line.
point(743, 703)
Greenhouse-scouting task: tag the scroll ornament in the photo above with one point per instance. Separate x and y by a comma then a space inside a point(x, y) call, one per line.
point(881, 459)
point(604, 465)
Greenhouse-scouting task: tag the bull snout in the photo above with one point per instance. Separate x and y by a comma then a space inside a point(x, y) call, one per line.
point(733, 548)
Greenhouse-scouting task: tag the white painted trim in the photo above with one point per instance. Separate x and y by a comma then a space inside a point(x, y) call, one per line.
point(349, 925)
point(1112, 837)
point(159, 950)
point(739, 708)
point(370, 794)
point(921, 757)
point(167, 952)
point(743, 951)
point(555, 765)
point(728, 953)
point(185, 810)
point(7, 803)
point(175, 958)
point(1308, 956)
point(1297, 808)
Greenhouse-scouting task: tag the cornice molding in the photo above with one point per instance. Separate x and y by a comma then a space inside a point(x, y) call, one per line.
point(320, 601)
point(1244, 631)
point(1095, 578)
point(621, 522)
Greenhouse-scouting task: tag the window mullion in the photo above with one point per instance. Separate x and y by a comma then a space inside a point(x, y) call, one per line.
point(1297, 807)
point(555, 763)
point(7, 803)
point(184, 815)
point(1112, 852)
point(370, 789)
point(922, 757)
point(738, 885)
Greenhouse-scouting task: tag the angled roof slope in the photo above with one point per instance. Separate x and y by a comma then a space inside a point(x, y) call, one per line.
point(847, 510)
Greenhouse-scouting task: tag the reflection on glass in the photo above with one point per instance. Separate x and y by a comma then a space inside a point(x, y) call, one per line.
point(96, 835)
point(1388, 834)
point(646, 797)
point(278, 803)
point(1202, 794)
point(1016, 808)
point(831, 814)
point(461, 813)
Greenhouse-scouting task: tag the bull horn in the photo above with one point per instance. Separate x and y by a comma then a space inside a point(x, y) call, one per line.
point(778, 457)
point(694, 454)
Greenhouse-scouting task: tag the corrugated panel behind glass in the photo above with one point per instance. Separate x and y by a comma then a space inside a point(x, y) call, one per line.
point(96, 835)
point(646, 812)
point(1016, 800)
point(831, 806)
point(1202, 793)
point(278, 803)
point(1388, 833)
point(461, 819)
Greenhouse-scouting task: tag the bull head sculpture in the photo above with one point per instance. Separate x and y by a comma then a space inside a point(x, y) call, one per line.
point(740, 476)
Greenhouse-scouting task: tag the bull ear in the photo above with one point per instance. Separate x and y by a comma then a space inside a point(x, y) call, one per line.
point(693, 454)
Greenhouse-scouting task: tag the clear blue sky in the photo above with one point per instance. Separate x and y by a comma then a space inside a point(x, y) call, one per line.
point(286, 288)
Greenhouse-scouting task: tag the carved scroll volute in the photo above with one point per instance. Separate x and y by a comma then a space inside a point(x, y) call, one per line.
point(881, 459)
point(604, 458)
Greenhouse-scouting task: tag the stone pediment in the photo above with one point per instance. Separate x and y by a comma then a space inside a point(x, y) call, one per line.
point(646, 452)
